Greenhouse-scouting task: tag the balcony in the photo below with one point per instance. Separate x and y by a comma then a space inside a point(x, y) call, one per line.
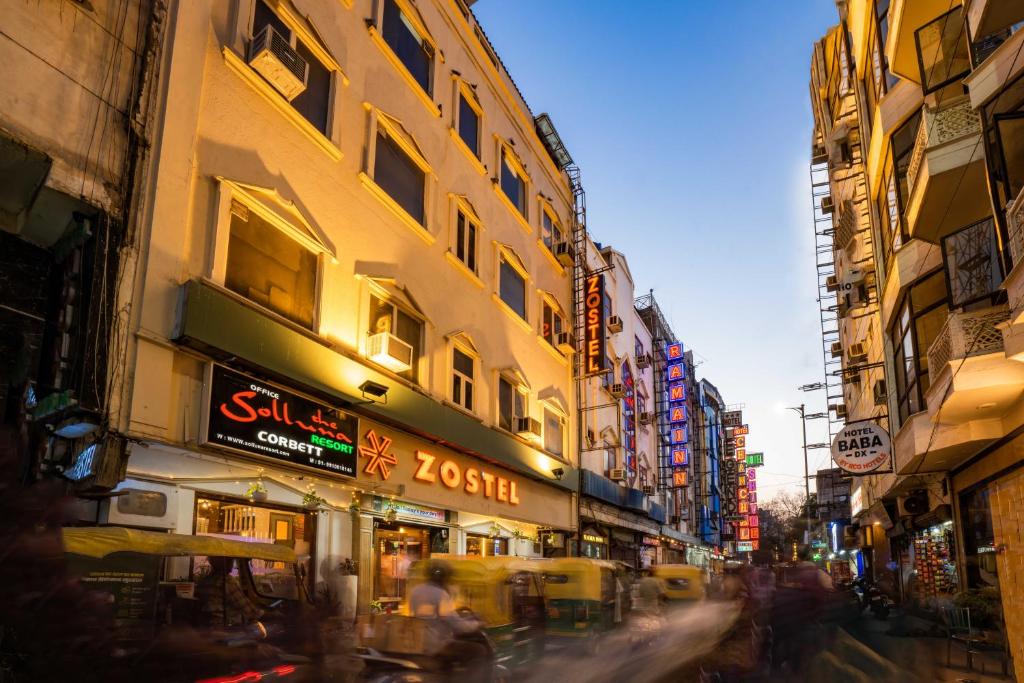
point(907, 264)
point(999, 59)
point(1014, 282)
point(916, 22)
point(946, 174)
point(972, 378)
point(922, 446)
point(988, 17)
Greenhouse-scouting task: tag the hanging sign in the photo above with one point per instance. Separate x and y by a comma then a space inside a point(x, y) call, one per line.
point(252, 416)
point(732, 418)
point(594, 339)
point(861, 448)
point(754, 459)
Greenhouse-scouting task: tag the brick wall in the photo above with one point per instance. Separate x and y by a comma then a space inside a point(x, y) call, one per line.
point(1007, 518)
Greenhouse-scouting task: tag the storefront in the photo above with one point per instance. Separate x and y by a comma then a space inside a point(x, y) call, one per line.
point(594, 543)
point(933, 553)
point(422, 499)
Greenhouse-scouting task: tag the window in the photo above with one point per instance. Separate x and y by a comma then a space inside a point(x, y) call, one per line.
point(385, 316)
point(895, 195)
point(268, 267)
point(512, 286)
point(552, 323)
point(511, 404)
point(462, 379)
point(313, 103)
point(554, 432)
point(973, 271)
point(513, 183)
point(412, 49)
point(638, 348)
point(609, 459)
point(551, 231)
point(882, 21)
point(399, 175)
point(469, 124)
point(919, 320)
point(465, 239)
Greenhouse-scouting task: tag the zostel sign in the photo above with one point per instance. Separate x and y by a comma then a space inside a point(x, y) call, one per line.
point(593, 331)
point(861, 448)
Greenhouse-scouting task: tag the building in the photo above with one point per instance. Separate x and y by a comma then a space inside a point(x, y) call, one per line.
point(926, 99)
point(708, 453)
point(350, 325)
point(75, 103)
point(833, 495)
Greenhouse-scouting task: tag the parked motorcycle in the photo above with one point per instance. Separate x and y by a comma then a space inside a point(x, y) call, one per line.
point(871, 597)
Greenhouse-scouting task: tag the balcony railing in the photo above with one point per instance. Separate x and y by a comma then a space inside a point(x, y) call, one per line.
point(1015, 222)
point(967, 334)
point(941, 125)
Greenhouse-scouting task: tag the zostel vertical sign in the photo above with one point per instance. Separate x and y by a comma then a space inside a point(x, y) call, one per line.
point(593, 336)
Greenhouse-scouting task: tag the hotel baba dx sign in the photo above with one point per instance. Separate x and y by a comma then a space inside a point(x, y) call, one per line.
point(861, 448)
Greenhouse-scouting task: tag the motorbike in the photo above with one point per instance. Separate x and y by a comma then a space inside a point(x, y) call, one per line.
point(871, 597)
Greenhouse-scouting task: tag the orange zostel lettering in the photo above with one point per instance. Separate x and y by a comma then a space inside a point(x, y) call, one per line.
point(423, 472)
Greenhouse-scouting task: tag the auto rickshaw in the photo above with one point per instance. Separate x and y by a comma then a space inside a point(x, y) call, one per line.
point(155, 587)
point(681, 582)
point(584, 597)
point(505, 593)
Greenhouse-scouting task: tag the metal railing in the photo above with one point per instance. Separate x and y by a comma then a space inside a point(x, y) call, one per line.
point(940, 125)
point(967, 334)
point(1015, 225)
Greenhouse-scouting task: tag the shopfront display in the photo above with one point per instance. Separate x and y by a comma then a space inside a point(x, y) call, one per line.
point(935, 561)
point(981, 568)
point(594, 544)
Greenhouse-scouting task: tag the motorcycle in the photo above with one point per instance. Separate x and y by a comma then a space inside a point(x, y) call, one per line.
point(871, 597)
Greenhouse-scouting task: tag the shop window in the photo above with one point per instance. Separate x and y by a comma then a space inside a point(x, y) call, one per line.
point(486, 546)
point(551, 230)
point(385, 316)
point(919, 321)
point(554, 432)
point(399, 175)
point(463, 382)
point(552, 323)
point(979, 539)
point(513, 181)
point(408, 43)
point(466, 230)
point(397, 548)
point(313, 103)
point(512, 285)
point(469, 123)
point(511, 403)
point(269, 268)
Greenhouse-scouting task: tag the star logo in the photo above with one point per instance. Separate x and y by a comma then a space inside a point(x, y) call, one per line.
point(380, 460)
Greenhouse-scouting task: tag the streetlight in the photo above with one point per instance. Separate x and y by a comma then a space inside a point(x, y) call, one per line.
point(801, 410)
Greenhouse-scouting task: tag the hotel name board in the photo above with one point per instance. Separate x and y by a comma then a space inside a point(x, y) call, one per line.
point(594, 337)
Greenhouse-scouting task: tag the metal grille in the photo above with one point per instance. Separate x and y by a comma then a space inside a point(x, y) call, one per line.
point(847, 227)
point(967, 334)
point(1015, 221)
point(940, 125)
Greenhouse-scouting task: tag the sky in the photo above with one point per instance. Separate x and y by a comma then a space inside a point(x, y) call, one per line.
point(691, 125)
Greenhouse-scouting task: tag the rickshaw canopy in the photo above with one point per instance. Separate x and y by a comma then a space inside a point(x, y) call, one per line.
point(681, 581)
point(99, 542)
point(575, 577)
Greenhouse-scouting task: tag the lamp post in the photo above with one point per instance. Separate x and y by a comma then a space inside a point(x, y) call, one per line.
point(801, 410)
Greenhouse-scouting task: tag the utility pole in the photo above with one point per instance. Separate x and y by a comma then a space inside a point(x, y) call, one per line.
point(804, 417)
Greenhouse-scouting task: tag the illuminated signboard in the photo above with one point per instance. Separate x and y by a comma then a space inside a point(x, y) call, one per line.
point(678, 432)
point(742, 430)
point(744, 494)
point(752, 497)
point(741, 442)
point(741, 480)
point(594, 339)
point(752, 520)
point(744, 533)
point(754, 459)
point(755, 533)
point(677, 392)
point(679, 478)
point(680, 457)
point(732, 418)
point(629, 419)
point(678, 435)
point(743, 507)
point(251, 416)
point(752, 508)
point(744, 547)
point(741, 454)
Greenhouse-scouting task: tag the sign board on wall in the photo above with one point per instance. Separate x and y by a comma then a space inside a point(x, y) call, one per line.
point(861, 448)
point(675, 376)
point(593, 334)
point(252, 416)
point(732, 418)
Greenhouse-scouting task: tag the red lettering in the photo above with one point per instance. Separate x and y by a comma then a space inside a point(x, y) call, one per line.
point(239, 400)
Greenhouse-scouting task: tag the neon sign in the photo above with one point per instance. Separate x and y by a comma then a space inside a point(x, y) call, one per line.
point(594, 340)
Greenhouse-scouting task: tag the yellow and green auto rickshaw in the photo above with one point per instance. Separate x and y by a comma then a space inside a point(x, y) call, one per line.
point(505, 593)
point(681, 582)
point(584, 597)
point(165, 592)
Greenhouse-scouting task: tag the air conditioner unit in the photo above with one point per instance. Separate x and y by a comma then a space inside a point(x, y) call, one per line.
point(858, 352)
point(528, 428)
point(614, 324)
point(646, 418)
point(617, 390)
point(617, 474)
point(643, 361)
point(826, 204)
point(853, 379)
point(842, 308)
point(565, 253)
point(273, 57)
point(647, 490)
point(880, 393)
point(914, 504)
point(839, 409)
point(837, 349)
point(818, 154)
point(565, 342)
point(388, 350)
point(832, 283)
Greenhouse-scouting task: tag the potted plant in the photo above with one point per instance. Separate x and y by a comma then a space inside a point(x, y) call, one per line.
point(311, 501)
point(257, 492)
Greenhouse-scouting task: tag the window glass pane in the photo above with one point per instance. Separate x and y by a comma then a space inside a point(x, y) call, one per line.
point(471, 248)
point(972, 263)
point(512, 185)
point(399, 176)
point(928, 327)
point(552, 432)
point(460, 237)
point(513, 288)
point(928, 292)
point(1011, 139)
point(942, 53)
point(381, 313)
point(469, 396)
point(547, 229)
point(463, 363)
point(469, 125)
point(505, 404)
point(314, 102)
point(457, 389)
point(547, 324)
point(263, 15)
point(407, 44)
point(410, 330)
point(268, 267)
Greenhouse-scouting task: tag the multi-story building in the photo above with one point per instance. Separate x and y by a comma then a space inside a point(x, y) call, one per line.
point(708, 453)
point(74, 111)
point(937, 90)
point(350, 325)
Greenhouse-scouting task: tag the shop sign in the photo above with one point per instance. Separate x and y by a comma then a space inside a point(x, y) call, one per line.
point(732, 418)
point(594, 339)
point(592, 538)
point(861, 448)
point(857, 500)
point(754, 459)
point(741, 454)
point(647, 540)
point(409, 510)
point(679, 478)
point(680, 456)
point(744, 547)
point(254, 417)
point(475, 482)
point(742, 430)
point(678, 436)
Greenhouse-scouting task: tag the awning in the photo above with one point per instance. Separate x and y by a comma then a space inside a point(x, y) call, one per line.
point(677, 535)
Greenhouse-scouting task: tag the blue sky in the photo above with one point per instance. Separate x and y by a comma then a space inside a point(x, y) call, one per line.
point(691, 125)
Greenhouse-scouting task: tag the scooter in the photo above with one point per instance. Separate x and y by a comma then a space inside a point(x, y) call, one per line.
point(873, 598)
